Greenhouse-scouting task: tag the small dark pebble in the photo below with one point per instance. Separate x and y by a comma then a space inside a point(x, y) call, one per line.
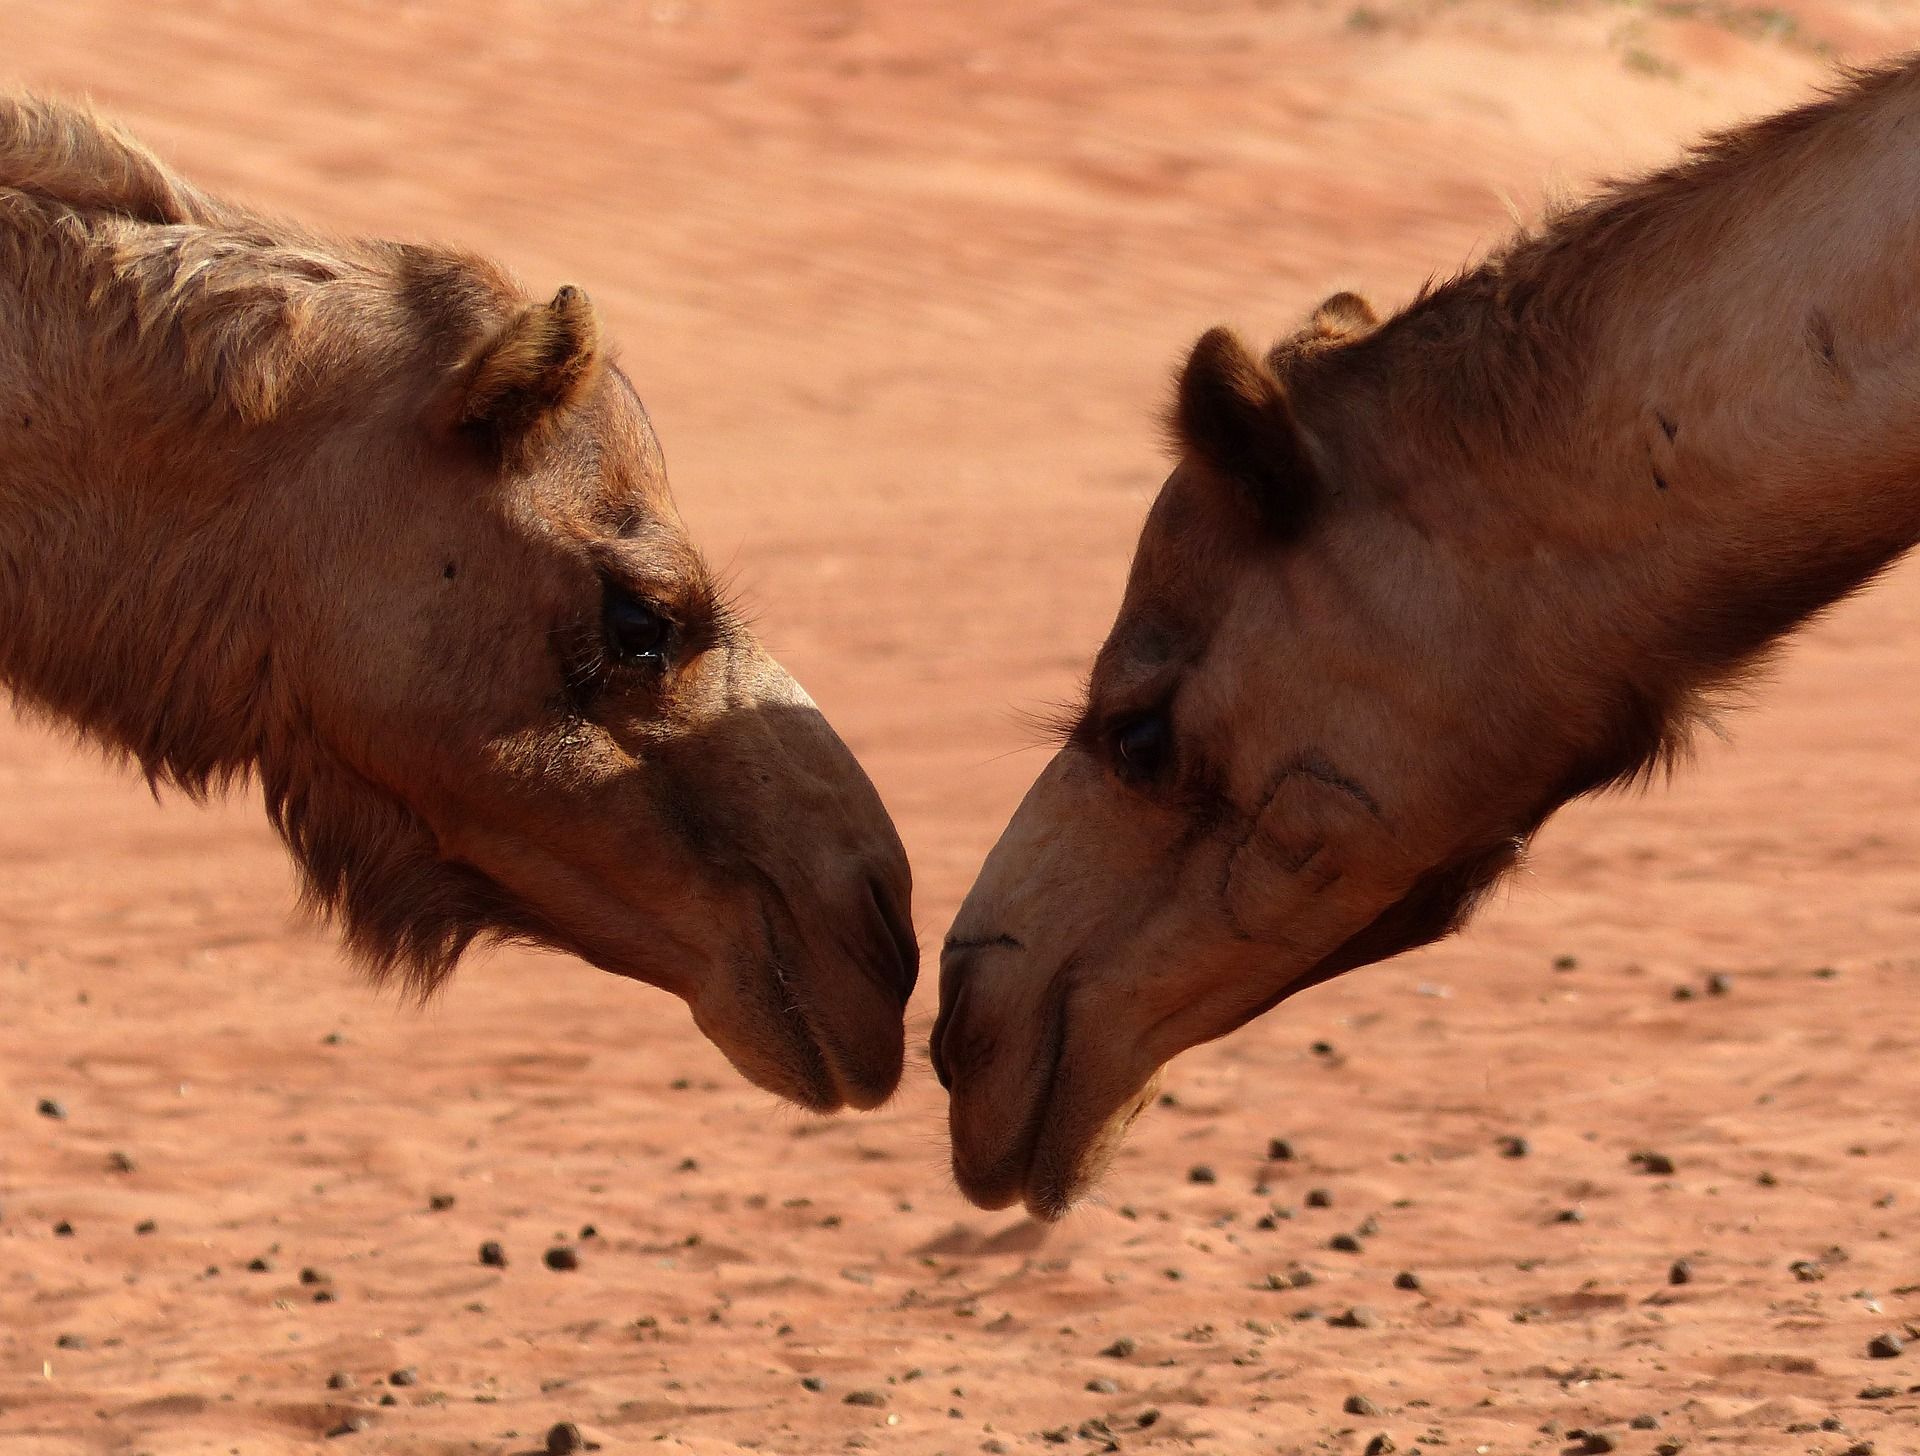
point(492, 1255)
point(387, 1397)
point(1806, 1271)
point(1323, 1049)
point(864, 1397)
point(1680, 1272)
point(259, 1266)
point(352, 1425)
point(1120, 1349)
point(1719, 983)
point(440, 1202)
point(1357, 1318)
point(562, 1257)
point(1880, 1392)
point(323, 1296)
point(1345, 1243)
point(52, 1107)
point(311, 1275)
point(1683, 993)
point(118, 1162)
point(340, 1380)
point(145, 1226)
point(1408, 1280)
point(564, 1438)
point(1576, 1214)
point(1885, 1345)
point(63, 1230)
point(1566, 963)
point(1598, 1443)
point(72, 1342)
point(1767, 1180)
point(1369, 1226)
point(408, 1375)
point(813, 1383)
point(1279, 1150)
point(1515, 1147)
point(1381, 1445)
point(1645, 1423)
point(1859, 1448)
point(1670, 1447)
point(1359, 1405)
point(1201, 1173)
point(1319, 1198)
point(1148, 1417)
point(1658, 1164)
point(1103, 1386)
point(588, 1231)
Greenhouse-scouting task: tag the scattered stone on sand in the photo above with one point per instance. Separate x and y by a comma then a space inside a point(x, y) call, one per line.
point(119, 1162)
point(63, 1230)
point(259, 1266)
point(1408, 1280)
point(1279, 1150)
point(1576, 1214)
point(564, 1439)
point(52, 1107)
point(1879, 1392)
point(440, 1202)
point(71, 1342)
point(145, 1226)
point(492, 1255)
point(1359, 1405)
point(1357, 1318)
point(1645, 1422)
point(1381, 1445)
point(813, 1383)
point(864, 1397)
point(1345, 1243)
point(1100, 1385)
point(1719, 983)
point(1201, 1173)
point(562, 1256)
point(1514, 1146)
point(1683, 993)
point(1319, 1198)
point(1806, 1271)
point(406, 1375)
point(352, 1425)
point(1658, 1164)
point(311, 1275)
point(1680, 1272)
point(340, 1380)
point(1566, 963)
point(1886, 1346)
point(1121, 1349)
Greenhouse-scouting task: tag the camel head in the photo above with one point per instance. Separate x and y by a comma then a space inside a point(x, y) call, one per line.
point(1235, 813)
point(522, 708)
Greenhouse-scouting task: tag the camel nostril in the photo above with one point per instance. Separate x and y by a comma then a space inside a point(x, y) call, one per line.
point(905, 944)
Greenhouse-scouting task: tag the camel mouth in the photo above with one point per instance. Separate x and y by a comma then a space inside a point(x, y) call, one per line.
point(1007, 1175)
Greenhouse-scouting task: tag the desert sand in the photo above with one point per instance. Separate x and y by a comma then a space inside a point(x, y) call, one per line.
point(902, 286)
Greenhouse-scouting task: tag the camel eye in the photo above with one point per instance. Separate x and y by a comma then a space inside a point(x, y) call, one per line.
point(636, 633)
point(1141, 747)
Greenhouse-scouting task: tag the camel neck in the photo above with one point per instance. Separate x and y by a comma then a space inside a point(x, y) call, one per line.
point(1682, 419)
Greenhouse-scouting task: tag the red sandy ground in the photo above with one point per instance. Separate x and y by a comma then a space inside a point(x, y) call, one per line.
point(902, 284)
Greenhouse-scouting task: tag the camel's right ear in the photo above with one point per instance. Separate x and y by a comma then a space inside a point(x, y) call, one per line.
point(1341, 317)
point(1233, 415)
point(540, 361)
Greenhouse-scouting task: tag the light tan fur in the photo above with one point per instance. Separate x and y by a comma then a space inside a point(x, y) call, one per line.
point(350, 517)
point(1415, 584)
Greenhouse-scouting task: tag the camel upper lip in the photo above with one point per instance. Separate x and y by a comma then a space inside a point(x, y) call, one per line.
point(1010, 1176)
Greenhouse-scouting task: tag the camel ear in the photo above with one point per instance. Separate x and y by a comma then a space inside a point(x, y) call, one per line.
point(1343, 316)
point(1233, 415)
point(541, 361)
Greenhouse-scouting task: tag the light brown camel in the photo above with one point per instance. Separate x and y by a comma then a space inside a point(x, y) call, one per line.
point(1413, 585)
point(361, 520)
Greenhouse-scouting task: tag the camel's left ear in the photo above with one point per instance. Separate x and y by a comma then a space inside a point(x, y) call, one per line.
point(540, 361)
point(1233, 415)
